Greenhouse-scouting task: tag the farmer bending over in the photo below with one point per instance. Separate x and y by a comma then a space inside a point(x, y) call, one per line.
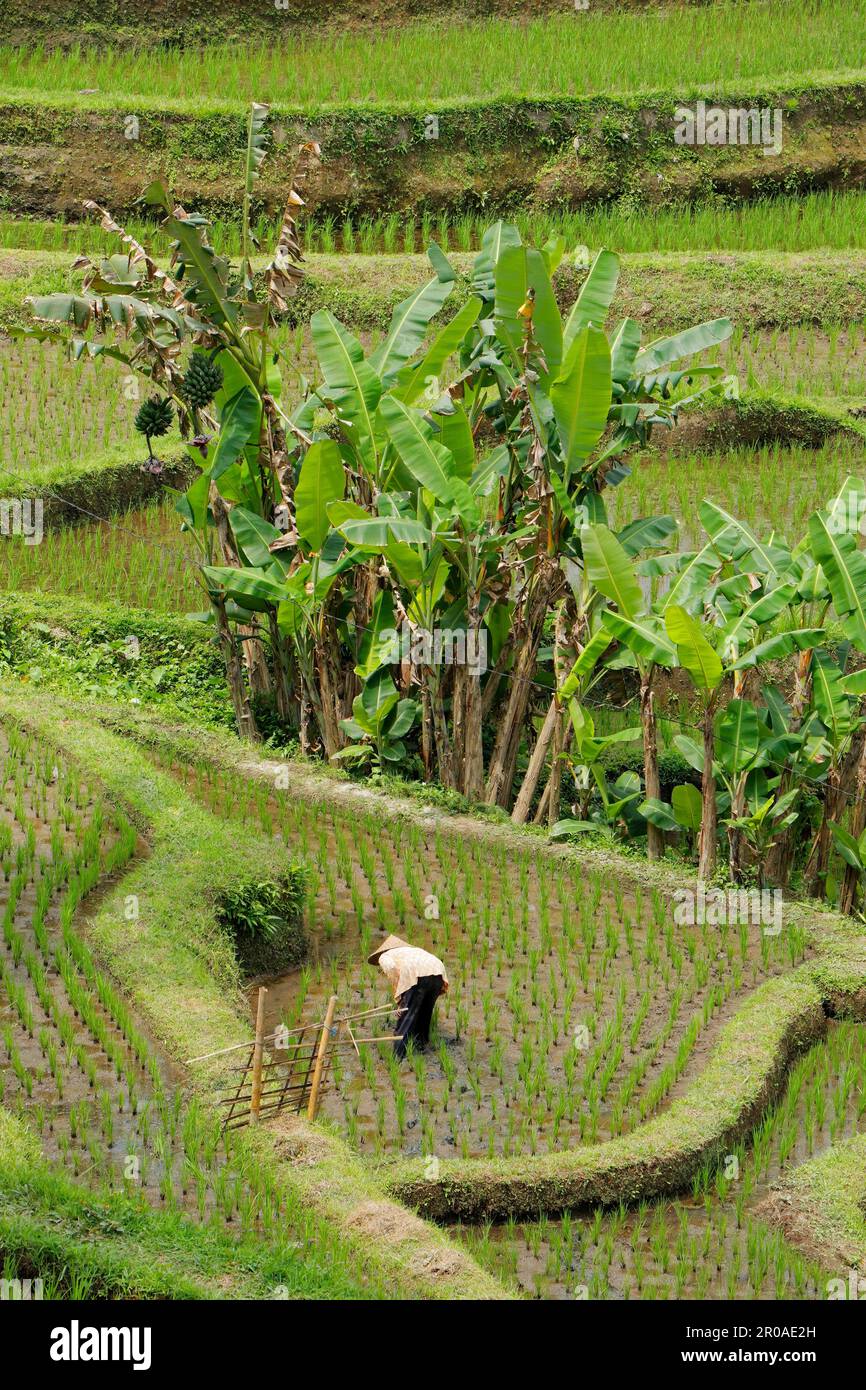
point(417, 978)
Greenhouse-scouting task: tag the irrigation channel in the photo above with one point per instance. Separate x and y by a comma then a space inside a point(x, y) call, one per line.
point(576, 1011)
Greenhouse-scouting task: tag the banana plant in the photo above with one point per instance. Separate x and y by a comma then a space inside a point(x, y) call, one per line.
point(231, 404)
point(379, 722)
point(750, 758)
point(852, 848)
point(585, 762)
point(761, 821)
point(610, 569)
point(681, 815)
point(697, 654)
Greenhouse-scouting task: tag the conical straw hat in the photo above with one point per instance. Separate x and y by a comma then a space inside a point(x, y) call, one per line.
point(387, 945)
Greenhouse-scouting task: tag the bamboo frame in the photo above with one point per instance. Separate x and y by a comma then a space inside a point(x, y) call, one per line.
point(258, 1051)
point(320, 1059)
point(293, 1074)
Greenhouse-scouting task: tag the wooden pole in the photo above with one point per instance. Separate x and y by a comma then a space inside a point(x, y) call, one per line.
point(256, 1098)
point(320, 1060)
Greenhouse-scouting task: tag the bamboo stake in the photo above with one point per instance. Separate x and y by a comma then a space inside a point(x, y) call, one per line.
point(256, 1099)
point(320, 1060)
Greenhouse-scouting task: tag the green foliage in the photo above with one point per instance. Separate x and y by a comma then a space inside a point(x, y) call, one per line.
point(265, 920)
point(68, 644)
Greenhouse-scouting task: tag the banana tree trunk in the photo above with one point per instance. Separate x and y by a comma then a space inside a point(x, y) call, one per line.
point(257, 667)
point(536, 764)
point(244, 717)
point(819, 859)
point(735, 835)
point(851, 880)
point(781, 857)
point(554, 781)
point(707, 842)
point(444, 755)
point(427, 736)
point(281, 661)
point(655, 840)
point(328, 677)
point(507, 746)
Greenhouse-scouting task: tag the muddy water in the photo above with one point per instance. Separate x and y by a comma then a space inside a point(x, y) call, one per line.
point(570, 1001)
point(711, 1243)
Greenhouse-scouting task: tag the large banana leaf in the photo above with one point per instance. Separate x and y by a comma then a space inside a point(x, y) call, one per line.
point(844, 567)
point(378, 641)
point(694, 651)
point(251, 587)
point(800, 639)
point(351, 381)
point(378, 697)
point(253, 535)
point(735, 540)
point(591, 654)
point(610, 570)
point(690, 586)
point(831, 701)
point(409, 323)
point(846, 509)
point(455, 433)
point(416, 378)
point(322, 482)
point(206, 275)
point(646, 533)
point(581, 395)
point(738, 736)
point(763, 610)
point(594, 300)
point(696, 339)
point(645, 637)
point(690, 750)
point(519, 270)
point(624, 350)
point(495, 241)
point(686, 803)
point(429, 462)
point(239, 421)
point(377, 532)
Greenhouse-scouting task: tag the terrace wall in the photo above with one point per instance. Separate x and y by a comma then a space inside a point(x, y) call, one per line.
point(486, 155)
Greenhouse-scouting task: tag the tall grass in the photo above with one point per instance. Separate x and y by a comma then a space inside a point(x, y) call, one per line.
point(773, 487)
point(557, 55)
point(835, 220)
point(59, 412)
point(139, 559)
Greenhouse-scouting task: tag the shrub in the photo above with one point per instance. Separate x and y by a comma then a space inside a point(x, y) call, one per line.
point(266, 922)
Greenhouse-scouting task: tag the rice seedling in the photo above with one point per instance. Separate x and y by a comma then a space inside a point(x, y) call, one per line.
point(806, 222)
point(546, 1015)
point(605, 52)
point(707, 1244)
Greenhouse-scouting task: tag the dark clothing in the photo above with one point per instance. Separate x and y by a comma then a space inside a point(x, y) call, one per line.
point(417, 1013)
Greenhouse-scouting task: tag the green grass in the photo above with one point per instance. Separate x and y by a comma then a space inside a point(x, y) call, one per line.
point(822, 1205)
point(139, 558)
point(83, 648)
point(824, 219)
point(585, 53)
point(59, 410)
point(772, 487)
point(719, 1241)
point(106, 1245)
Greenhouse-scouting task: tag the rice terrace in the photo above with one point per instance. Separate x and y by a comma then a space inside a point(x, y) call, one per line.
point(433, 664)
